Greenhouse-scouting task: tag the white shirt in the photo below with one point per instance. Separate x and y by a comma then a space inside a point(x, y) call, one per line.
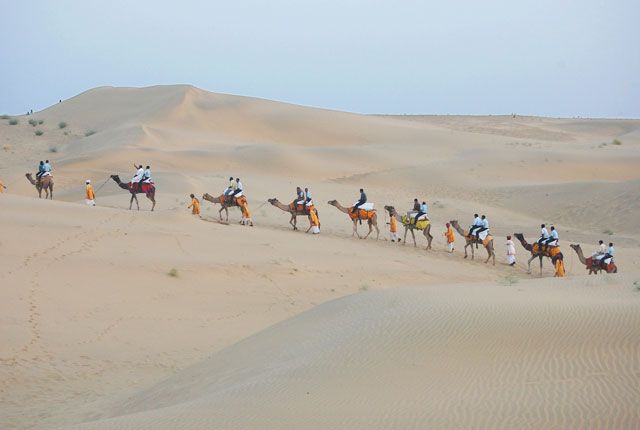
point(485, 223)
point(147, 173)
point(477, 221)
point(544, 233)
point(611, 251)
point(554, 234)
point(239, 185)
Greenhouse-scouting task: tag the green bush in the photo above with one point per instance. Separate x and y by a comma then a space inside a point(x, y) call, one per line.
point(616, 142)
point(173, 273)
point(62, 124)
point(39, 132)
point(89, 133)
point(40, 121)
point(53, 149)
point(5, 116)
point(33, 122)
point(13, 121)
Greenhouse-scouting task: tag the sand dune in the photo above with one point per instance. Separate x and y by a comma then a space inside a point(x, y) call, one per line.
point(379, 335)
point(483, 356)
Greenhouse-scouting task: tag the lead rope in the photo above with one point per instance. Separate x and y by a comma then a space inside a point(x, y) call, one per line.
point(100, 187)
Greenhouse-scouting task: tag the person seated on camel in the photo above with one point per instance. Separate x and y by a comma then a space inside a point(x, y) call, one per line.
point(228, 192)
point(360, 202)
point(307, 197)
point(40, 170)
point(544, 237)
point(299, 199)
point(608, 257)
point(553, 238)
point(146, 176)
point(484, 226)
point(422, 210)
point(238, 189)
point(46, 167)
point(477, 223)
point(137, 177)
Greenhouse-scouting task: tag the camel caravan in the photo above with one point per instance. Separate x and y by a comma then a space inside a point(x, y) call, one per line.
point(547, 246)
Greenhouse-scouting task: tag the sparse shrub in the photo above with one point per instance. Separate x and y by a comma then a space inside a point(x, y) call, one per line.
point(364, 287)
point(39, 132)
point(5, 116)
point(13, 121)
point(66, 133)
point(89, 133)
point(616, 142)
point(173, 273)
point(40, 121)
point(53, 149)
point(33, 122)
point(636, 284)
point(62, 124)
point(509, 280)
point(607, 231)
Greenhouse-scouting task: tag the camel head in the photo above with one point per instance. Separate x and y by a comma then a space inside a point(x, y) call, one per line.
point(390, 209)
point(333, 202)
point(575, 247)
point(519, 236)
point(273, 201)
point(115, 178)
point(454, 223)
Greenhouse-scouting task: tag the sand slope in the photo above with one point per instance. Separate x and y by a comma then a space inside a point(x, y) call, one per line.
point(558, 355)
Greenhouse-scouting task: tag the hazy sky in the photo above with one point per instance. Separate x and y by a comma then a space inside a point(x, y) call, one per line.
point(540, 57)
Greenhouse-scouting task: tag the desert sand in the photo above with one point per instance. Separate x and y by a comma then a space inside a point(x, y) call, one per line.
point(118, 319)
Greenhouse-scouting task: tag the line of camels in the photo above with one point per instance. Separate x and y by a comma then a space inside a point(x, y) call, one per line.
point(371, 217)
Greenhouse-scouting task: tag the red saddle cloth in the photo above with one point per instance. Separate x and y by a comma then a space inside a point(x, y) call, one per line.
point(142, 188)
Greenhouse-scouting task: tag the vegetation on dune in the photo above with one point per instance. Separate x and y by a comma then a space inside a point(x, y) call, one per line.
point(5, 116)
point(53, 149)
point(173, 273)
point(33, 122)
point(39, 132)
point(62, 124)
point(13, 121)
point(89, 133)
point(616, 142)
point(607, 231)
point(40, 121)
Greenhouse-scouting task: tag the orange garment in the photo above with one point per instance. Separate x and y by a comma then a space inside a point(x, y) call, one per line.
point(449, 235)
point(2, 187)
point(393, 224)
point(90, 194)
point(194, 206)
point(245, 209)
point(314, 217)
point(362, 214)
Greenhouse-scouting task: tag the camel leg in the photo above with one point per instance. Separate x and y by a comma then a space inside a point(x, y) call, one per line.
point(427, 234)
point(226, 211)
point(153, 201)
point(413, 235)
point(355, 229)
point(465, 249)
point(529, 263)
point(541, 266)
point(293, 221)
point(51, 191)
point(473, 253)
point(131, 201)
point(377, 231)
point(370, 229)
point(220, 212)
point(406, 229)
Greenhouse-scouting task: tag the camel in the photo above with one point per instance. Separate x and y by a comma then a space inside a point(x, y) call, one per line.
point(291, 209)
point(411, 227)
point(221, 199)
point(470, 241)
point(533, 248)
point(372, 219)
point(45, 184)
point(589, 263)
point(150, 193)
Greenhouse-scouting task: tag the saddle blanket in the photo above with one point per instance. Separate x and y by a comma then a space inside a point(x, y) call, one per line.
point(413, 214)
point(365, 206)
point(483, 235)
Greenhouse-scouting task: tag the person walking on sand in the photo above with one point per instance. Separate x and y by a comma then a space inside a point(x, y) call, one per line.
point(91, 195)
point(511, 252)
point(393, 227)
point(450, 237)
point(194, 206)
point(2, 187)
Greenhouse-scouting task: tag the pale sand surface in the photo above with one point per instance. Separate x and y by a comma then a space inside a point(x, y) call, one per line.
point(367, 334)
